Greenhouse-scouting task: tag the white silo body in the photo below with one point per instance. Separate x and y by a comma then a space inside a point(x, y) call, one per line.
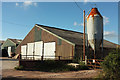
point(95, 29)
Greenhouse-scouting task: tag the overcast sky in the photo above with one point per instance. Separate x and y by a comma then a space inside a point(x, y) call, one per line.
point(18, 18)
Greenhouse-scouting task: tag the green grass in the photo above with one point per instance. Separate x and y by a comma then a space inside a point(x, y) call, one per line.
point(19, 68)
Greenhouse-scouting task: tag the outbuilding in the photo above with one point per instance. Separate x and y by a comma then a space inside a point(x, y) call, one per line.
point(9, 47)
point(54, 43)
point(1, 42)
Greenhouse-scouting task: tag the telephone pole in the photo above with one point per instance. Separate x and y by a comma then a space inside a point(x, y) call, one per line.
point(84, 35)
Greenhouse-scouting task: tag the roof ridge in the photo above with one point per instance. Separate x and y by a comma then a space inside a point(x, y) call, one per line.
point(14, 39)
point(59, 29)
point(111, 42)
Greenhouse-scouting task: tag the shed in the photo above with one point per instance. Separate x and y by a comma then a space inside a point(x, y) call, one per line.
point(9, 47)
point(55, 43)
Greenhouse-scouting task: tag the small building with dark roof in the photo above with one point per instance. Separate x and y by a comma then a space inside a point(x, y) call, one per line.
point(55, 43)
point(9, 47)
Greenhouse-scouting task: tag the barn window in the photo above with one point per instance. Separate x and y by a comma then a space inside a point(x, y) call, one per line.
point(59, 41)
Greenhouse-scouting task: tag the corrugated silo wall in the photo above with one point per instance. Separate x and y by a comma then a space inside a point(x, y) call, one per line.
point(63, 48)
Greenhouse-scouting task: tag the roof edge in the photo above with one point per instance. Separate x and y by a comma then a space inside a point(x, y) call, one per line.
point(11, 41)
point(58, 28)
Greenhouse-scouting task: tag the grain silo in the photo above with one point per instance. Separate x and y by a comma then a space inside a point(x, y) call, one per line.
point(95, 29)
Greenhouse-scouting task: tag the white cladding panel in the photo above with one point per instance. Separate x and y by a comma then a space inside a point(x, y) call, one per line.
point(49, 50)
point(30, 49)
point(38, 50)
point(23, 51)
point(9, 51)
point(95, 30)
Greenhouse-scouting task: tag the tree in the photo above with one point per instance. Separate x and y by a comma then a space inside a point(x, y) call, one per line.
point(111, 65)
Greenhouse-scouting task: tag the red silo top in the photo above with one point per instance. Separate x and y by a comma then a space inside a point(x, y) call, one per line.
point(93, 12)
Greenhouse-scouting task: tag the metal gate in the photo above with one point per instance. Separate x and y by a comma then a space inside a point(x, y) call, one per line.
point(94, 63)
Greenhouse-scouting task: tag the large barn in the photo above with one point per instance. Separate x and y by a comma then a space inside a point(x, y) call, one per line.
point(55, 43)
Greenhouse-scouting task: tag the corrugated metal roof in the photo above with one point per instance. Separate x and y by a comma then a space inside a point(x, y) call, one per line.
point(74, 37)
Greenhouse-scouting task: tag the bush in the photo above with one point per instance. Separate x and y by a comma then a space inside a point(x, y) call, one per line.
point(83, 67)
point(19, 68)
point(111, 66)
point(76, 60)
point(52, 66)
point(57, 66)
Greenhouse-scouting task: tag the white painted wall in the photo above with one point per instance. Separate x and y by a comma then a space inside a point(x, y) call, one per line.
point(49, 50)
point(23, 51)
point(38, 49)
point(30, 49)
point(9, 51)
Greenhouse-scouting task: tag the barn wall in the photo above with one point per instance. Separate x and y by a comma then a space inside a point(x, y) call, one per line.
point(78, 52)
point(37, 35)
point(99, 54)
point(106, 51)
point(63, 48)
point(90, 53)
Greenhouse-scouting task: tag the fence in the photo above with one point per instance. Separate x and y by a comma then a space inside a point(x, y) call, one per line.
point(94, 63)
point(30, 62)
point(33, 57)
point(91, 63)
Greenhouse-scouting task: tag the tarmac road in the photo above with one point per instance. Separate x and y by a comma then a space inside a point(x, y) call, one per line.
point(8, 63)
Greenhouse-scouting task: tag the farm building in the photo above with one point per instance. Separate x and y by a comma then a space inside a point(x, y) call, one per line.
point(9, 46)
point(1, 42)
point(55, 43)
